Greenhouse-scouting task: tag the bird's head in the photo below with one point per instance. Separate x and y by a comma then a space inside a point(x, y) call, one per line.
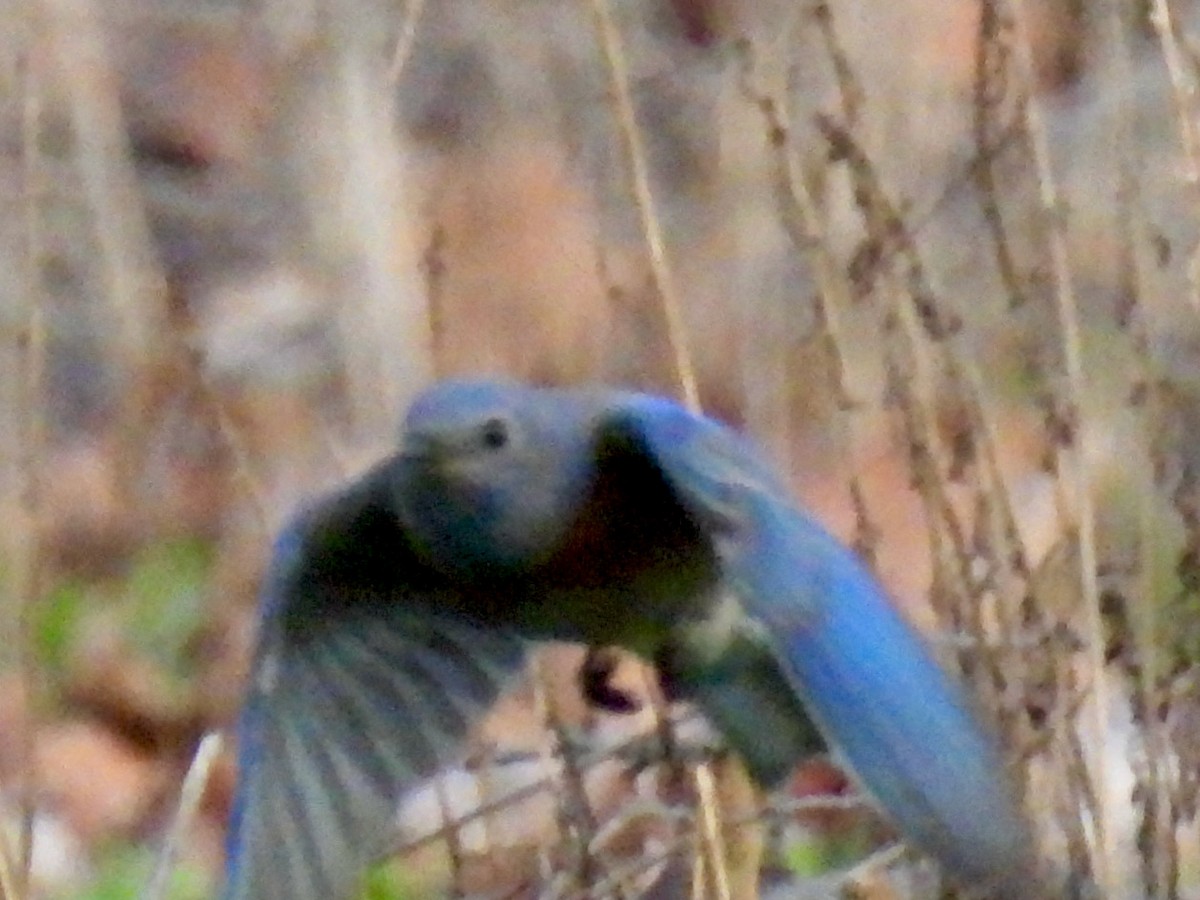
point(492, 473)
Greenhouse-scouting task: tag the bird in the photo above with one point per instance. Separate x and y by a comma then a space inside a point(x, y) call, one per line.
point(398, 607)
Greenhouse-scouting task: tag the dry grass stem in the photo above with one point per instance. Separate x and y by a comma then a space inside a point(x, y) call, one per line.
point(406, 40)
point(31, 427)
point(609, 39)
point(947, 279)
point(1076, 457)
point(194, 784)
point(712, 857)
point(1183, 86)
point(991, 89)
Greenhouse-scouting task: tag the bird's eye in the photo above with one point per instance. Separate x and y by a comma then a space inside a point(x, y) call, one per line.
point(494, 434)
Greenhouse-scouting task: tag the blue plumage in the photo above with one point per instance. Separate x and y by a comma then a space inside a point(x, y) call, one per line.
point(864, 675)
point(510, 513)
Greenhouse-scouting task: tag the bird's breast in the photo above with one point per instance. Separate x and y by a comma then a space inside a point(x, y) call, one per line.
point(632, 603)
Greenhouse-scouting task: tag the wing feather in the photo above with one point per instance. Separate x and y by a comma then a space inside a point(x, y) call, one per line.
point(362, 686)
point(868, 680)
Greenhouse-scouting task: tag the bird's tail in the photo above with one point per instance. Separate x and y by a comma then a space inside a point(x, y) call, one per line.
point(905, 728)
point(838, 660)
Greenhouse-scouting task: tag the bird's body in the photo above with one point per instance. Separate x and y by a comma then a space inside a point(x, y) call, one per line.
point(397, 608)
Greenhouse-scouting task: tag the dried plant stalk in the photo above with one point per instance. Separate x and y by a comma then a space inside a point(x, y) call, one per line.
point(609, 39)
point(1074, 454)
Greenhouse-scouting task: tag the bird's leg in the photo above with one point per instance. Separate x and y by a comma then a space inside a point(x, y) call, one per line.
point(595, 680)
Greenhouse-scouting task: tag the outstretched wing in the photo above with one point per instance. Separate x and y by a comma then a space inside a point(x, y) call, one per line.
point(864, 675)
point(365, 681)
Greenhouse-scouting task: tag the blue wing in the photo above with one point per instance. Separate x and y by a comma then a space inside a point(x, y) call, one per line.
point(864, 675)
point(365, 681)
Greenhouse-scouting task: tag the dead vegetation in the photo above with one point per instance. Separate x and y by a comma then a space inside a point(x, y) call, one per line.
point(941, 259)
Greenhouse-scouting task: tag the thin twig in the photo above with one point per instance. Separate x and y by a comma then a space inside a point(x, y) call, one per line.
point(31, 419)
point(991, 78)
point(1183, 91)
point(630, 749)
point(934, 351)
point(190, 794)
point(405, 41)
point(802, 221)
point(1135, 622)
point(639, 184)
point(1145, 665)
point(561, 758)
point(1183, 87)
point(1084, 515)
point(712, 843)
point(127, 263)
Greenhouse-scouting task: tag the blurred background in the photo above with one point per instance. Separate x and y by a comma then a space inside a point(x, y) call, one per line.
point(941, 260)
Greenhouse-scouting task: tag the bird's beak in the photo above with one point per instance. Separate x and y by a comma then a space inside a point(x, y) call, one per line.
point(434, 457)
point(423, 448)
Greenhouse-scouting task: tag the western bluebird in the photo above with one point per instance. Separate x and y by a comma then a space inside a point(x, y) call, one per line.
point(396, 609)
